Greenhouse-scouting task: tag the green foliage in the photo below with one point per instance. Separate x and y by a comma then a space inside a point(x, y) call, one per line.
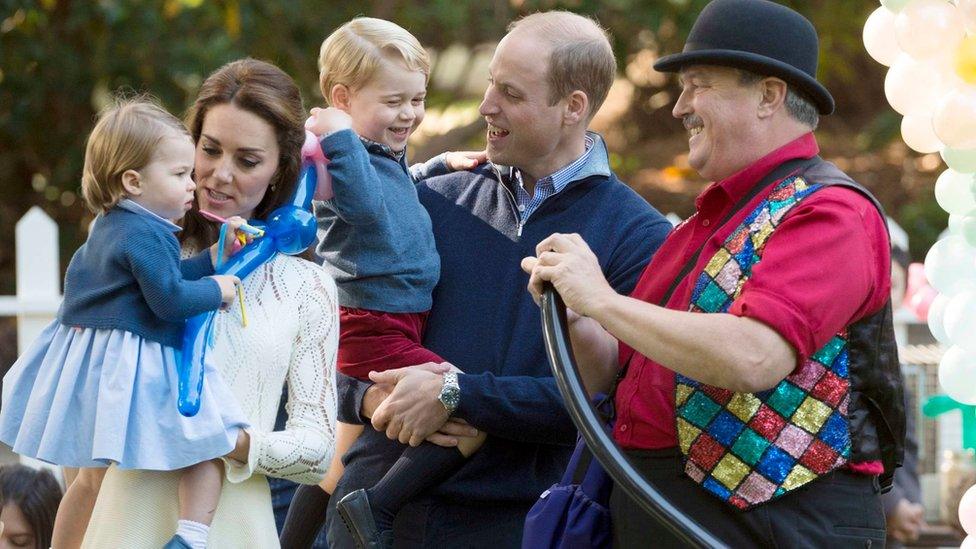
point(60, 61)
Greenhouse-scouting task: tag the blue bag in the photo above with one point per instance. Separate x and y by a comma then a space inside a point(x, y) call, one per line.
point(573, 513)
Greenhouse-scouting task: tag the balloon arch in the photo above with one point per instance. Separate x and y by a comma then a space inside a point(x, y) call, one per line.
point(930, 47)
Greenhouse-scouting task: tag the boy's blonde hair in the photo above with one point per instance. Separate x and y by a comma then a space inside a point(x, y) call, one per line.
point(351, 54)
point(124, 138)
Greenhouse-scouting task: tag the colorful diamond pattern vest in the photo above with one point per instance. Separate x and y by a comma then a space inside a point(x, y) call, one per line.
point(748, 448)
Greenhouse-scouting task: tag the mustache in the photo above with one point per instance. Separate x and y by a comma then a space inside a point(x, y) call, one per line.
point(692, 121)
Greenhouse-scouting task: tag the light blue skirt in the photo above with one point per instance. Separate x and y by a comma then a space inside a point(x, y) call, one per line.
point(81, 397)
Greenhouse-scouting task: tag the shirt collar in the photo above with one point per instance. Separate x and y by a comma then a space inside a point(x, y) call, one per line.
point(594, 161)
point(738, 184)
point(136, 208)
point(383, 148)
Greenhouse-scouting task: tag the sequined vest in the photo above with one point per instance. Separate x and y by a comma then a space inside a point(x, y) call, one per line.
point(843, 404)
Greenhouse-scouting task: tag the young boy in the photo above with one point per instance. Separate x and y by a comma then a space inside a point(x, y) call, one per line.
point(376, 241)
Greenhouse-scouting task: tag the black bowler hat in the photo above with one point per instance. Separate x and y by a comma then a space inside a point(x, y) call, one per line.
point(758, 36)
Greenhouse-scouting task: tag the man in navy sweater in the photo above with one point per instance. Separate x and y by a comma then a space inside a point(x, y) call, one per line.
point(546, 174)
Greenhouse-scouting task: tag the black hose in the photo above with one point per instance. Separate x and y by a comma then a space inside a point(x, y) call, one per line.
point(555, 331)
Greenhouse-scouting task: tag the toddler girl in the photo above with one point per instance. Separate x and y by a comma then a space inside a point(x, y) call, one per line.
point(99, 386)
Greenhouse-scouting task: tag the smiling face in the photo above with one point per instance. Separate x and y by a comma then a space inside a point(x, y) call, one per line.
point(390, 106)
point(721, 116)
point(165, 186)
point(236, 159)
point(524, 130)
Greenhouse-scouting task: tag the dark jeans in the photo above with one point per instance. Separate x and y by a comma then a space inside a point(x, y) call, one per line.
point(842, 509)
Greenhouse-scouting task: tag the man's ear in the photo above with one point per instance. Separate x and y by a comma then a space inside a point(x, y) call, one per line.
point(577, 108)
point(132, 183)
point(339, 96)
point(773, 96)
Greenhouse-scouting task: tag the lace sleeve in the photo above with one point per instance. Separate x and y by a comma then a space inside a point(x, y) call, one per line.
point(302, 451)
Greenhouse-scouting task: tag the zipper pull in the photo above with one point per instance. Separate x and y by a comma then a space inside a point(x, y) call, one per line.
point(520, 225)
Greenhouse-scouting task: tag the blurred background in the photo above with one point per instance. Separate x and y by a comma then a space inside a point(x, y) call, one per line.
point(61, 60)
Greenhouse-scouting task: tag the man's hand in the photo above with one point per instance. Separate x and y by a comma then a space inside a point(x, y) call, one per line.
point(906, 521)
point(567, 262)
point(377, 392)
point(412, 412)
point(450, 433)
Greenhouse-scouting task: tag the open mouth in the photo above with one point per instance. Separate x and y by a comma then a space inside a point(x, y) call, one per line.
point(494, 132)
point(400, 133)
point(696, 130)
point(217, 197)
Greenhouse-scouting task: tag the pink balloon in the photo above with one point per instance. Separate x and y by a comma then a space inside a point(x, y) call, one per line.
point(312, 150)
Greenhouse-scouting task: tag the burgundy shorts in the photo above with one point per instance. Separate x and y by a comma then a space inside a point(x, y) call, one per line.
point(375, 340)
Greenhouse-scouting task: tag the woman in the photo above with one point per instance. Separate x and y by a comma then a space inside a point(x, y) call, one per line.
point(29, 500)
point(247, 126)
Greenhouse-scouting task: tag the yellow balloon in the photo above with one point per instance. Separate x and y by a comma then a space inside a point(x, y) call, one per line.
point(965, 59)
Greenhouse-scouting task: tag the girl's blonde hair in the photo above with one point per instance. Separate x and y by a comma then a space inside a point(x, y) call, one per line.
point(351, 54)
point(124, 138)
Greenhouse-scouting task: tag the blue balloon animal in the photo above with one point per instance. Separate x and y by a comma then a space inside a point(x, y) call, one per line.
point(290, 230)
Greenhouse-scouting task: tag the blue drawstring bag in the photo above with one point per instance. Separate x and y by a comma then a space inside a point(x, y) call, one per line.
point(573, 513)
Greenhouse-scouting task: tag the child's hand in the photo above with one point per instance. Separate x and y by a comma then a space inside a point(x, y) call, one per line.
point(465, 160)
point(232, 242)
point(327, 121)
point(228, 289)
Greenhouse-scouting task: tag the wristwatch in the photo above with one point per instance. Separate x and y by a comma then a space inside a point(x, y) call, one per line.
point(450, 395)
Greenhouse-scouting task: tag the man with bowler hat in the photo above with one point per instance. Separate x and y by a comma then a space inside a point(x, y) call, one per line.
point(759, 388)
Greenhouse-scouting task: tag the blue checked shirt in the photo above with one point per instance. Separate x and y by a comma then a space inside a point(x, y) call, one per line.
point(549, 185)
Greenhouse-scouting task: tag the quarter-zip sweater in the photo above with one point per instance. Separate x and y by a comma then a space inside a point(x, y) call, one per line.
point(484, 321)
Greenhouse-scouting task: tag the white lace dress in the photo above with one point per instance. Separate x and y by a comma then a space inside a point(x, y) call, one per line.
point(291, 337)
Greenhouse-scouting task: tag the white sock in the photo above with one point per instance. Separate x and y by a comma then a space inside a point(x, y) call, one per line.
point(194, 533)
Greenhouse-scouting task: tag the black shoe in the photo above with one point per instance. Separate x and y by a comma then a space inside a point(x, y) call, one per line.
point(358, 517)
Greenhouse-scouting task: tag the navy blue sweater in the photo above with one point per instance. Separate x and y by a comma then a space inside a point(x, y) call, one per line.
point(374, 235)
point(128, 276)
point(484, 321)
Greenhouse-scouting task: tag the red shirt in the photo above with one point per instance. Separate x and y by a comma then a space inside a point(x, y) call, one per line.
point(827, 265)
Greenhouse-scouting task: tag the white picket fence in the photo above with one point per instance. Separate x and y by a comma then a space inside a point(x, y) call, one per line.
point(38, 287)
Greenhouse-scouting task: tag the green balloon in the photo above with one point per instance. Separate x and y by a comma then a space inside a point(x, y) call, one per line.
point(895, 5)
point(961, 160)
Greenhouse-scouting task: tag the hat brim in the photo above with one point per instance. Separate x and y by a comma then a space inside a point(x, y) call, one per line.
point(759, 64)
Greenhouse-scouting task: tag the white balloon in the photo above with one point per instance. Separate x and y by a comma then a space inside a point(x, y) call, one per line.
point(916, 130)
point(879, 36)
point(950, 265)
point(926, 27)
point(968, 10)
point(913, 86)
point(957, 375)
point(967, 511)
point(954, 192)
point(936, 319)
point(960, 320)
point(954, 120)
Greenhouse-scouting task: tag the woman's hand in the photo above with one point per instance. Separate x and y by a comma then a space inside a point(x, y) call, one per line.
point(243, 447)
point(327, 121)
point(465, 160)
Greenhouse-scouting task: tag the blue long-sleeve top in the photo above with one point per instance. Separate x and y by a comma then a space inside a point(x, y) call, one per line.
point(128, 275)
point(374, 236)
point(484, 321)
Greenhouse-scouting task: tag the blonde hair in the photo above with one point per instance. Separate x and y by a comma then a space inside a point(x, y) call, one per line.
point(581, 57)
point(351, 54)
point(124, 138)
